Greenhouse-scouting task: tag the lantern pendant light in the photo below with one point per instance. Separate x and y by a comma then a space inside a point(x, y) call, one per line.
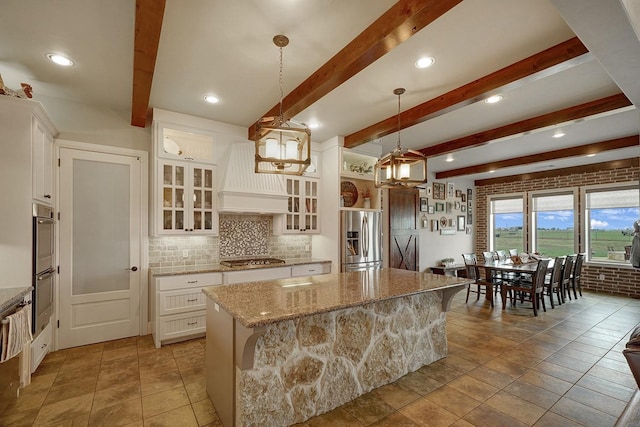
point(282, 146)
point(402, 167)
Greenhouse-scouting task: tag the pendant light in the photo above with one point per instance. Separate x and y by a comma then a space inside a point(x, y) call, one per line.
point(402, 167)
point(282, 146)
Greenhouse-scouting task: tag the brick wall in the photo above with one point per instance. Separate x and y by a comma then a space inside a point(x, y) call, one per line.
point(622, 280)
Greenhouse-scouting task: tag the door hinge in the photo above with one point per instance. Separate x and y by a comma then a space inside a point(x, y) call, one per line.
point(58, 216)
point(58, 324)
point(58, 161)
point(58, 269)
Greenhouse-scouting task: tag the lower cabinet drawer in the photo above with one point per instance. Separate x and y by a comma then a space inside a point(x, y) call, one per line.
point(40, 347)
point(310, 269)
point(180, 301)
point(179, 325)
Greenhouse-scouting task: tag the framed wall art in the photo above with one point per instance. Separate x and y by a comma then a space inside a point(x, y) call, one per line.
point(439, 207)
point(434, 225)
point(461, 225)
point(469, 194)
point(430, 209)
point(449, 207)
point(451, 190)
point(424, 202)
point(439, 190)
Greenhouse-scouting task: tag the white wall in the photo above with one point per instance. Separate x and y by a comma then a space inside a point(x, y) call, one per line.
point(433, 245)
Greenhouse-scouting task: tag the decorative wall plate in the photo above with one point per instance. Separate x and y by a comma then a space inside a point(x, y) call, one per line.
point(443, 221)
point(349, 193)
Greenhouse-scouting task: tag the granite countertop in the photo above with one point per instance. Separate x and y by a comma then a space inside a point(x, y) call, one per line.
point(11, 296)
point(265, 302)
point(217, 268)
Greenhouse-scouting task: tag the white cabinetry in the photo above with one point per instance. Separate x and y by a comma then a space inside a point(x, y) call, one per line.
point(303, 215)
point(357, 188)
point(310, 269)
point(179, 308)
point(40, 347)
point(184, 186)
point(23, 178)
point(185, 198)
point(41, 162)
point(254, 275)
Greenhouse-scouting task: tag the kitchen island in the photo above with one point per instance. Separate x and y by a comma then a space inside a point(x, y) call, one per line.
point(281, 351)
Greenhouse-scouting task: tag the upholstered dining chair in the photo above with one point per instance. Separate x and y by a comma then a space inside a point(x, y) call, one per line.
point(473, 272)
point(575, 275)
point(567, 269)
point(535, 288)
point(513, 252)
point(553, 281)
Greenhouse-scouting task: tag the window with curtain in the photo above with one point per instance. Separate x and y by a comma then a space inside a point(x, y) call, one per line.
point(553, 224)
point(506, 223)
point(609, 216)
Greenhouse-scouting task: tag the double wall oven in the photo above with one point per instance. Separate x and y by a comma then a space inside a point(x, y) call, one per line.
point(43, 270)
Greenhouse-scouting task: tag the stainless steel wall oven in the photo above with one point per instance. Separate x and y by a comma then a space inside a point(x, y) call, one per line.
point(43, 270)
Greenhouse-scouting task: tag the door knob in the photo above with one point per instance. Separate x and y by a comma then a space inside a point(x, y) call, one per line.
point(134, 268)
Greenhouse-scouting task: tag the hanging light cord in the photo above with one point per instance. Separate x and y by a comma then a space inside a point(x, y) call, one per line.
point(399, 119)
point(280, 82)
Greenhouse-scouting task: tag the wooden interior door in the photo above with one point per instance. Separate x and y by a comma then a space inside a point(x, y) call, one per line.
point(403, 228)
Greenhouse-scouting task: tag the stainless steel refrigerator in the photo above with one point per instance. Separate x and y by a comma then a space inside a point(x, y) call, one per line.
point(361, 240)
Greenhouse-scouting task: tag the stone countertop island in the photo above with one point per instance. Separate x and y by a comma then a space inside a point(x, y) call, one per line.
point(282, 351)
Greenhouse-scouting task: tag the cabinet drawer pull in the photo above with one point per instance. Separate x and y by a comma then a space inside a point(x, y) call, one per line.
point(312, 270)
point(192, 323)
point(192, 281)
point(43, 346)
point(192, 300)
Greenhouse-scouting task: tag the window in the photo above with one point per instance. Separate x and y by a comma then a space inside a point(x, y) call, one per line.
point(609, 216)
point(553, 224)
point(506, 223)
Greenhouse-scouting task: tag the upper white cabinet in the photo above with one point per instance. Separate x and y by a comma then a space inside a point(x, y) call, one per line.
point(172, 141)
point(303, 215)
point(25, 174)
point(184, 186)
point(41, 161)
point(185, 198)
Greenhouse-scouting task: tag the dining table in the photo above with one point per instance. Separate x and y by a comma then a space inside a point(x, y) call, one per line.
point(497, 268)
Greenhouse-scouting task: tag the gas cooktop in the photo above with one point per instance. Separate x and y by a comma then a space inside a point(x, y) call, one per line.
point(251, 262)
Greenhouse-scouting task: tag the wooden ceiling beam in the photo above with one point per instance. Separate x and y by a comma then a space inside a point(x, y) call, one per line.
point(149, 15)
point(552, 174)
point(598, 106)
point(543, 64)
point(582, 150)
point(396, 25)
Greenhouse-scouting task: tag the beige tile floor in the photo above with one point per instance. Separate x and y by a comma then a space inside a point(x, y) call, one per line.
point(505, 368)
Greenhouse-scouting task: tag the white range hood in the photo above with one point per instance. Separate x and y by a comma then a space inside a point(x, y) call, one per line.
point(244, 191)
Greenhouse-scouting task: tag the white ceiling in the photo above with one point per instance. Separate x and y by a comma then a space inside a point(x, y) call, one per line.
point(225, 48)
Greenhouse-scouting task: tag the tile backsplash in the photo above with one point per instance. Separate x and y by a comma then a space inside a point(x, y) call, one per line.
point(240, 236)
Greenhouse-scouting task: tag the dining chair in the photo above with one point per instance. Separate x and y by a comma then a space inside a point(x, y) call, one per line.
point(473, 272)
point(513, 252)
point(553, 281)
point(501, 256)
point(535, 289)
point(567, 269)
point(575, 275)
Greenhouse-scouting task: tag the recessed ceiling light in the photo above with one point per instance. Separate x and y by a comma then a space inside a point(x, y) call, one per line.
point(59, 59)
point(211, 99)
point(493, 99)
point(492, 171)
point(449, 158)
point(314, 125)
point(558, 134)
point(425, 62)
point(591, 155)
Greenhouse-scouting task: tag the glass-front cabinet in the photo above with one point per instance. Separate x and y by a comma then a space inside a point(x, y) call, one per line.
point(186, 198)
point(303, 210)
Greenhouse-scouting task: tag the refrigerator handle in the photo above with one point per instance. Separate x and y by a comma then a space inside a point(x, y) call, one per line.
point(365, 236)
